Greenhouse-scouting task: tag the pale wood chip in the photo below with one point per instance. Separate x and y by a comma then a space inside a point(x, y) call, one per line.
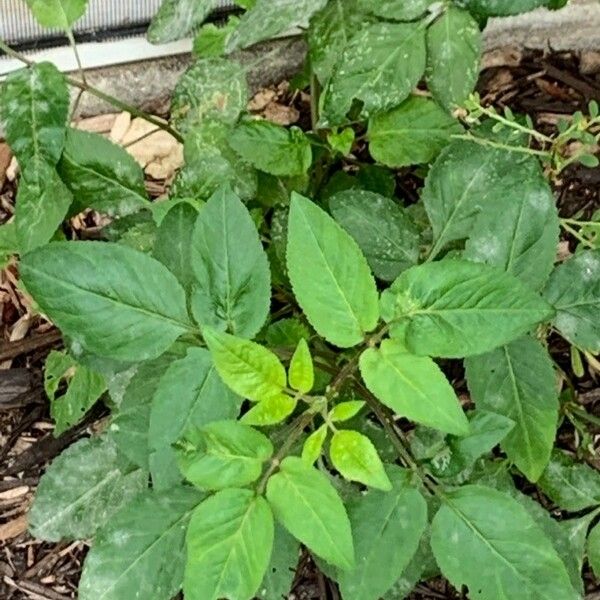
point(13, 528)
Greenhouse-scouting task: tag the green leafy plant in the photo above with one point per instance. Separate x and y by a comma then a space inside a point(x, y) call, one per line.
point(275, 355)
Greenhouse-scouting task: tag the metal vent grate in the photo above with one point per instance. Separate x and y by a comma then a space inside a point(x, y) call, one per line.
point(17, 25)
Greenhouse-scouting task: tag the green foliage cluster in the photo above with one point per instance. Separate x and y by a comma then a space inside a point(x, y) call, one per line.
point(272, 338)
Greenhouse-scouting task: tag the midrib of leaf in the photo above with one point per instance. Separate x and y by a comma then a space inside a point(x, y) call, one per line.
point(198, 393)
point(34, 123)
point(230, 321)
point(253, 367)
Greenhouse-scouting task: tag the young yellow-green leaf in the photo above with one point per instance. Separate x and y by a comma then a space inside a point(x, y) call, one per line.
point(307, 505)
point(250, 370)
point(456, 308)
point(355, 457)
point(212, 39)
point(60, 14)
point(344, 411)
point(212, 89)
point(177, 18)
point(232, 288)
point(383, 230)
point(229, 544)
point(413, 387)
point(301, 374)
point(267, 19)
point(341, 141)
point(593, 549)
point(141, 552)
point(225, 454)
point(487, 541)
point(330, 276)
point(101, 175)
point(34, 108)
point(518, 381)
point(270, 411)
point(453, 54)
point(42, 204)
point(414, 132)
point(81, 490)
point(283, 152)
point(313, 446)
point(380, 65)
point(111, 300)
point(572, 486)
point(574, 290)
point(387, 528)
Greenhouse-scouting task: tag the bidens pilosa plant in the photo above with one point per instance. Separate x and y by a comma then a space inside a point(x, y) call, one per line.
point(272, 338)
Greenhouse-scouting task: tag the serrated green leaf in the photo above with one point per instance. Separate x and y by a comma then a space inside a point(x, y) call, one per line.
point(380, 65)
point(284, 152)
point(270, 411)
point(518, 381)
point(113, 301)
point(355, 457)
point(177, 18)
point(101, 175)
point(521, 236)
point(301, 373)
point(57, 13)
point(34, 107)
point(313, 446)
point(453, 54)
point(81, 490)
point(412, 386)
point(412, 133)
point(212, 89)
point(397, 10)
point(456, 308)
point(344, 411)
point(330, 276)
point(141, 552)
point(572, 486)
point(225, 454)
point(286, 333)
point(574, 290)
point(173, 241)
point(593, 549)
point(485, 540)
point(232, 288)
point(250, 370)
point(383, 230)
point(307, 505)
point(229, 544)
point(387, 528)
point(269, 18)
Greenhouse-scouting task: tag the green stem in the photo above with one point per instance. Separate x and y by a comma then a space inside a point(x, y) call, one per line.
point(576, 234)
point(514, 125)
point(500, 146)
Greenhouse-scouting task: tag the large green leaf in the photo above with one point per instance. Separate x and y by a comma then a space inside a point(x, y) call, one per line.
point(307, 505)
point(412, 133)
point(201, 399)
point(398, 10)
point(593, 549)
point(175, 19)
point(112, 300)
point(81, 490)
point(57, 13)
point(42, 203)
point(330, 276)
point(413, 387)
point(269, 18)
point(387, 528)
point(141, 552)
point(212, 89)
point(574, 290)
point(250, 370)
point(518, 381)
point(283, 152)
point(232, 289)
point(383, 230)
point(456, 308)
point(520, 234)
point(101, 175)
point(34, 107)
point(485, 540)
point(572, 486)
point(504, 8)
point(453, 54)
point(380, 66)
point(225, 454)
point(229, 544)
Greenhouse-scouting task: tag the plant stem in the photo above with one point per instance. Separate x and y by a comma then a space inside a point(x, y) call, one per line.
point(82, 85)
point(576, 234)
point(514, 125)
point(500, 146)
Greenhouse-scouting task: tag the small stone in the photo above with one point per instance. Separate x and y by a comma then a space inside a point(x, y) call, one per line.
point(120, 127)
